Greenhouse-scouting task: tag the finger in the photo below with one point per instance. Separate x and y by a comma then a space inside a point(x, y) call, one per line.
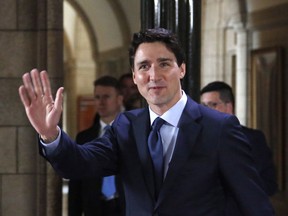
point(28, 86)
point(59, 99)
point(46, 84)
point(36, 82)
point(24, 96)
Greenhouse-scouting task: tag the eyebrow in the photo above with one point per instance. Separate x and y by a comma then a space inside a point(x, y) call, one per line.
point(164, 59)
point(142, 62)
point(161, 59)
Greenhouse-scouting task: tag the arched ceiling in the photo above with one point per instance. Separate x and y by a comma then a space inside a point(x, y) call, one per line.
point(112, 21)
point(104, 23)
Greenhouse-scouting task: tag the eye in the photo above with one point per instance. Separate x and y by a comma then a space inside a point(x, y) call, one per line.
point(143, 67)
point(164, 64)
point(105, 97)
point(213, 105)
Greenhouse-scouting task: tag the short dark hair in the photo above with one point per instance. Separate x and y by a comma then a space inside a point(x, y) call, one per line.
point(225, 91)
point(125, 76)
point(157, 35)
point(108, 81)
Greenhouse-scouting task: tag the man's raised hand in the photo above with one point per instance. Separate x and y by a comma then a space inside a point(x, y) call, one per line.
point(42, 111)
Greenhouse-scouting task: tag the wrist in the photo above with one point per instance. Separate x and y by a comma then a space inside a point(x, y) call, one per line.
point(51, 137)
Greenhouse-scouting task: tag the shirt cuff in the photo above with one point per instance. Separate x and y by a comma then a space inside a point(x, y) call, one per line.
point(49, 148)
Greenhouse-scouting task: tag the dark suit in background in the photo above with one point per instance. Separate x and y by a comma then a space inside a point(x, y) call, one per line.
point(262, 156)
point(263, 159)
point(85, 195)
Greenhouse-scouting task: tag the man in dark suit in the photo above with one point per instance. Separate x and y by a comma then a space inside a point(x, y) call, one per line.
point(183, 168)
point(219, 96)
point(85, 195)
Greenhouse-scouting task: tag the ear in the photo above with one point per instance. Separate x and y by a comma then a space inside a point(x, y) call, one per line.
point(230, 108)
point(133, 76)
point(120, 99)
point(182, 70)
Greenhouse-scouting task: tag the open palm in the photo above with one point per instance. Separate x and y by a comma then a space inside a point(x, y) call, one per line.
point(42, 111)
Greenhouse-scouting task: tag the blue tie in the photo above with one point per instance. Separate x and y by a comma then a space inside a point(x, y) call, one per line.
point(108, 187)
point(108, 183)
point(156, 152)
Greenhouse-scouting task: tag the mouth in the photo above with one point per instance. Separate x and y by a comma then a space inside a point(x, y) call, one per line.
point(101, 109)
point(155, 87)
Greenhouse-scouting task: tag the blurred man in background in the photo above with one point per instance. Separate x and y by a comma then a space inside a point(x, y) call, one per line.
point(219, 96)
point(88, 196)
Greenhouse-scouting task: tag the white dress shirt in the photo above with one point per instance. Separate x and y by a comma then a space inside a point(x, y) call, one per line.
point(169, 130)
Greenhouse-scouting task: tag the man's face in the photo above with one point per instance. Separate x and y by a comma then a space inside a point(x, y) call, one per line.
point(128, 88)
point(108, 101)
point(212, 100)
point(157, 76)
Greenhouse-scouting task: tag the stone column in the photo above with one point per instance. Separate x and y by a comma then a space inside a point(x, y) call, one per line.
point(241, 76)
point(30, 37)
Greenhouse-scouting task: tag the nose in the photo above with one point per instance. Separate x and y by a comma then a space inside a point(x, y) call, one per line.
point(153, 73)
point(100, 100)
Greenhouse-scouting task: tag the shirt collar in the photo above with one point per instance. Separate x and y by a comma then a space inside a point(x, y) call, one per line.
point(172, 115)
point(103, 124)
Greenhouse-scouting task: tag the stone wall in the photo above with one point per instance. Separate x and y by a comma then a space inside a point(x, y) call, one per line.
point(30, 37)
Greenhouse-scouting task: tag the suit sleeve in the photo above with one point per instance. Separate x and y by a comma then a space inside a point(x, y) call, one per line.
point(92, 159)
point(264, 161)
point(238, 172)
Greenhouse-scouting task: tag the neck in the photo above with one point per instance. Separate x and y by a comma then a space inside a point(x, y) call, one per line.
point(160, 109)
point(108, 119)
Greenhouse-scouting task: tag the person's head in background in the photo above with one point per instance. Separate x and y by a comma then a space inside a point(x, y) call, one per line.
point(129, 89)
point(219, 96)
point(134, 102)
point(108, 98)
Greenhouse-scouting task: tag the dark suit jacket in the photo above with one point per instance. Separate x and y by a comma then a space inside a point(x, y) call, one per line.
point(85, 194)
point(262, 156)
point(263, 159)
point(211, 157)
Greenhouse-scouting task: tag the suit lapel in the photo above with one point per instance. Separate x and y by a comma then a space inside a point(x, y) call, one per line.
point(188, 132)
point(141, 128)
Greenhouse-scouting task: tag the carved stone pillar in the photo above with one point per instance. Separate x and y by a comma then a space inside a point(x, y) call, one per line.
point(31, 37)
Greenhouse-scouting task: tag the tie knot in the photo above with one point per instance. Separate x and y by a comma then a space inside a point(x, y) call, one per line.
point(104, 129)
point(157, 124)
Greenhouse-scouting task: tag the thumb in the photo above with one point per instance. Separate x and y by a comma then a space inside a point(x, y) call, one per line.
point(59, 99)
